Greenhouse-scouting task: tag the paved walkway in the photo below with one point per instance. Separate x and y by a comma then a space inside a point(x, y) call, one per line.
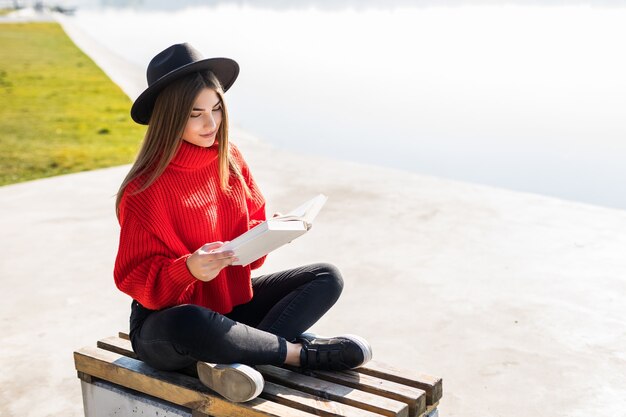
point(26, 15)
point(515, 299)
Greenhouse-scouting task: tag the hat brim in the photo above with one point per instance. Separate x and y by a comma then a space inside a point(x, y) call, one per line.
point(225, 69)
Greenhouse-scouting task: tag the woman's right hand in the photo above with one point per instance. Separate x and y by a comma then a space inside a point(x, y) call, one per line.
point(206, 265)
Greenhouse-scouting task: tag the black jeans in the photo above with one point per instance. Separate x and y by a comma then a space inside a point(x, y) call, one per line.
point(284, 305)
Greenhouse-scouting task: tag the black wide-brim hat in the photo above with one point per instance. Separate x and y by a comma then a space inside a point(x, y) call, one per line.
point(173, 63)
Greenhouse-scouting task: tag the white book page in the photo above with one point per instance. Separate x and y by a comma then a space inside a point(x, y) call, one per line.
point(307, 211)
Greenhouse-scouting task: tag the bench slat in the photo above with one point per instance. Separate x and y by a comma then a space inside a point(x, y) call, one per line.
point(117, 345)
point(432, 385)
point(170, 386)
point(415, 398)
point(311, 403)
point(333, 391)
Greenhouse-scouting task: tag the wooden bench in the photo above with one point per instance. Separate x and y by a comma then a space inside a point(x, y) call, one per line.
point(372, 390)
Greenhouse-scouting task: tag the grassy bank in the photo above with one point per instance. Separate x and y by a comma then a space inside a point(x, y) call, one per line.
point(60, 113)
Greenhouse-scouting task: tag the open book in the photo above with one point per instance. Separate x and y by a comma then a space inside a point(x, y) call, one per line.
point(275, 232)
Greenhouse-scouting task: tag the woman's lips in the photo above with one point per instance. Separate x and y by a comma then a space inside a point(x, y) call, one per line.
point(208, 135)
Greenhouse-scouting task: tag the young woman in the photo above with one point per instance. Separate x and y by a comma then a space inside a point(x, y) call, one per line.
point(189, 191)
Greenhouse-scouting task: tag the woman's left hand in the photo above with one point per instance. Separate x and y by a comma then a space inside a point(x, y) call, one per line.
point(205, 264)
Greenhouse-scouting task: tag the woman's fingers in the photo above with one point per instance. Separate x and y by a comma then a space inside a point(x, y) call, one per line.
point(209, 251)
point(217, 265)
point(213, 267)
point(217, 256)
point(208, 247)
point(208, 261)
point(217, 260)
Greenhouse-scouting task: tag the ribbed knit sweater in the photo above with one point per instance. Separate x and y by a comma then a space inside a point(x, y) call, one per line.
point(182, 210)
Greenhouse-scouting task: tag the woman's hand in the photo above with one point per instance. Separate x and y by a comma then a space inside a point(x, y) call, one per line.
point(205, 265)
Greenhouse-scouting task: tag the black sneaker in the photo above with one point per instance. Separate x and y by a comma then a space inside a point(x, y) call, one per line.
point(333, 353)
point(235, 382)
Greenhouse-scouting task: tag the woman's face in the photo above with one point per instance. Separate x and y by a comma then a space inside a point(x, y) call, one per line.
point(205, 119)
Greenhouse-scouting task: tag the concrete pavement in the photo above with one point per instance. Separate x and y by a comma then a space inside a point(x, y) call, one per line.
point(515, 299)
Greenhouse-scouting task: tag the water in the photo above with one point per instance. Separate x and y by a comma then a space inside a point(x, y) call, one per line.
point(526, 97)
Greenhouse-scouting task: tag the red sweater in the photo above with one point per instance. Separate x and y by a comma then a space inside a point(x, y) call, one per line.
point(181, 211)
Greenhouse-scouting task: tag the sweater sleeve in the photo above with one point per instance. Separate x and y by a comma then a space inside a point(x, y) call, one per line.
point(146, 270)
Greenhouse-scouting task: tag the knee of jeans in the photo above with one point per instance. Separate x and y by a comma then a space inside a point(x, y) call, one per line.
point(189, 320)
point(332, 276)
point(164, 355)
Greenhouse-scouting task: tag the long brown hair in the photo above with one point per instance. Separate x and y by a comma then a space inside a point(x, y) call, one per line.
point(163, 137)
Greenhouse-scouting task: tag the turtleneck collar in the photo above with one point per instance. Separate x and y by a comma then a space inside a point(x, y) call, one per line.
point(190, 156)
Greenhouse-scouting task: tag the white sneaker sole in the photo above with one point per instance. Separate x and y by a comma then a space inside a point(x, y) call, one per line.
point(366, 348)
point(235, 382)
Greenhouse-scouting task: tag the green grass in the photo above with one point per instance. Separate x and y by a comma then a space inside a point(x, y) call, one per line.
point(60, 113)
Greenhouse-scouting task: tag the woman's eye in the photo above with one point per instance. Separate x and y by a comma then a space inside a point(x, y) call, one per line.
point(195, 115)
point(217, 108)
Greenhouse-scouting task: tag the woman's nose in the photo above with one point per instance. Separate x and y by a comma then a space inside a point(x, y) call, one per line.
point(210, 120)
